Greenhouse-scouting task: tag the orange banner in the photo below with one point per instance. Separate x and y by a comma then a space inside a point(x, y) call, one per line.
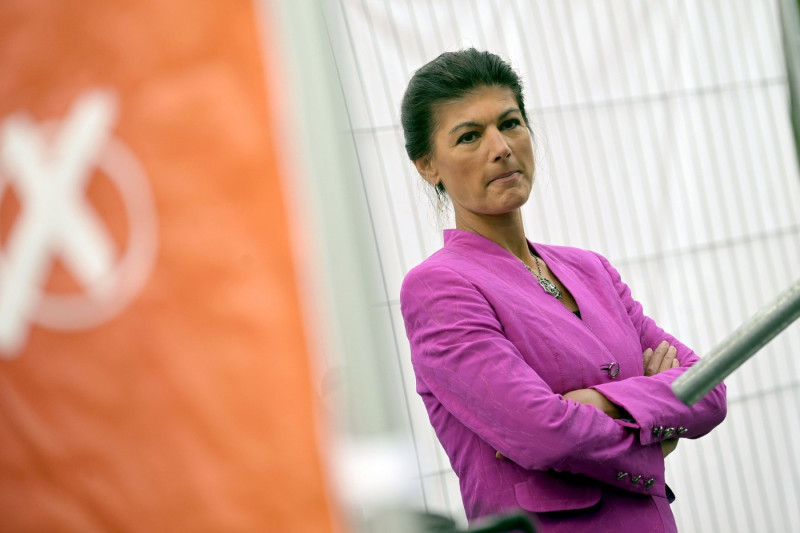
point(154, 374)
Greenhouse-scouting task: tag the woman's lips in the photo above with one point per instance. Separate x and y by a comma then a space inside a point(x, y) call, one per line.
point(505, 177)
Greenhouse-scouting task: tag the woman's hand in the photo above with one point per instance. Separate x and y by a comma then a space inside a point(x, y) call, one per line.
point(663, 358)
point(668, 446)
point(592, 397)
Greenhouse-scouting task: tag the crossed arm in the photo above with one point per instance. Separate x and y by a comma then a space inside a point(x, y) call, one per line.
point(655, 361)
point(663, 358)
point(450, 325)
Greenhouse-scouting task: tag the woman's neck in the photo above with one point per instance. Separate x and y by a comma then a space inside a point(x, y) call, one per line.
point(505, 230)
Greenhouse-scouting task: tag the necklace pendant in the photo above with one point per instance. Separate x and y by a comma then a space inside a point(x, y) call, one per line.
point(550, 287)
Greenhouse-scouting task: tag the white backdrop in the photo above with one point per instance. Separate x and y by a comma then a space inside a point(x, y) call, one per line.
point(663, 142)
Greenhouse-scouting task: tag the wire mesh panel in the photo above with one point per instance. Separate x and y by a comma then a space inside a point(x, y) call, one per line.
point(663, 141)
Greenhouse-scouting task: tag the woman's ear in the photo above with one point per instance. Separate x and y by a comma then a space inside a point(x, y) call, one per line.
point(427, 170)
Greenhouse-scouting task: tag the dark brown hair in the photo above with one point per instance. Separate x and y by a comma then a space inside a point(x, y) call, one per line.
point(449, 77)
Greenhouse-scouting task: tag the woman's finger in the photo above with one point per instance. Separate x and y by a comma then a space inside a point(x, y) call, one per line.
point(653, 366)
point(669, 358)
point(646, 355)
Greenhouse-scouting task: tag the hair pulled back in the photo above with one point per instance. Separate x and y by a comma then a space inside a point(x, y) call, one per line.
point(449, 77)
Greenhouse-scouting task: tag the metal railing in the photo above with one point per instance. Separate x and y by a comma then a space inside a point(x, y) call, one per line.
point(739, 346)
point(762, 327)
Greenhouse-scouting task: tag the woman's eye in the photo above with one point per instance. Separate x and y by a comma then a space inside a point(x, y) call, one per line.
point(469, 137)
point(510, 124)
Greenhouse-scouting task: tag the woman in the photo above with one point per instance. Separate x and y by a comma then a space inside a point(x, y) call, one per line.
point(547, 386)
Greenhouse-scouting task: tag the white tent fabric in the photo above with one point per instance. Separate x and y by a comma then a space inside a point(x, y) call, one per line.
point(663, 141)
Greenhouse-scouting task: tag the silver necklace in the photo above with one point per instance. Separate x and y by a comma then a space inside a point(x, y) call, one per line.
point(548, 286)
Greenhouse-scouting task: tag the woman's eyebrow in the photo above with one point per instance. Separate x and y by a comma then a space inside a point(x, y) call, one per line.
point(470, 124)
point(507, 112)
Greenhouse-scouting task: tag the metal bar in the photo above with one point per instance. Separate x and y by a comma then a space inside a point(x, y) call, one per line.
point(790, 31)
point(738, 347)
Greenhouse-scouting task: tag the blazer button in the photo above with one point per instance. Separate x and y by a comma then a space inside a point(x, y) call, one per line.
point(649, 483)
point(682, 430)
point(621, 475)
point(612, 369)
point(668, 432)
point(635, 479)
point(657, 431)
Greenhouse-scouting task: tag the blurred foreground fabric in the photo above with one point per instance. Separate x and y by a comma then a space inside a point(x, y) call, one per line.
point(154, 372)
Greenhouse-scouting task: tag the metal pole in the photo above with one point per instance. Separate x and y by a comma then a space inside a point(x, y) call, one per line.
point(790, 31)
point(748, 338)
point(370, 447)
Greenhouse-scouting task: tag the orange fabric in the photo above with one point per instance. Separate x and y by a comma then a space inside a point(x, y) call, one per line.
point(191, 410)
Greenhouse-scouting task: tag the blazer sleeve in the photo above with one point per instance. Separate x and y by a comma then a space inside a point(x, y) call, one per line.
point(658, 413)
point(461, 356)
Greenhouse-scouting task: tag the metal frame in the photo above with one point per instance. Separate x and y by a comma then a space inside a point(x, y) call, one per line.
point(739, 346)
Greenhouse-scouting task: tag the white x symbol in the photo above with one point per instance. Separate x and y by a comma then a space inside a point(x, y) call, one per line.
point(55, 219)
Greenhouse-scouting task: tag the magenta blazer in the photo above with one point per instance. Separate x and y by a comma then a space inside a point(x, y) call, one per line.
point(493, 353)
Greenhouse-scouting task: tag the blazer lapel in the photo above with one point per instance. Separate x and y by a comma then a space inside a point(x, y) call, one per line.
point(576, 282)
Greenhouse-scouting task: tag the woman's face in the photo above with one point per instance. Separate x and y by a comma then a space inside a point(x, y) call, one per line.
point(482, 153)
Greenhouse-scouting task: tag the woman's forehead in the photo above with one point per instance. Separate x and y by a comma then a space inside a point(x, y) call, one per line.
point(481, 105)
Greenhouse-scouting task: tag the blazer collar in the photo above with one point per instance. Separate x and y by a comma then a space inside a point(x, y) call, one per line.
point(490, 256)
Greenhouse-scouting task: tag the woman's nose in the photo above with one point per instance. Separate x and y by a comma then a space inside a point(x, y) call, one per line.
point(498, 147)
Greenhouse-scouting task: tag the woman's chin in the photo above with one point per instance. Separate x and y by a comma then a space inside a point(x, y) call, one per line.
point(512, 203)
